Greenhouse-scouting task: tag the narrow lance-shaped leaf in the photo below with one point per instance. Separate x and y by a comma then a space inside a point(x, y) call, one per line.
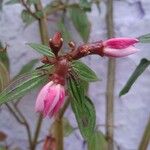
point(83, 109)
point(84, 72)
point(81, 22)
point(144, 38)
point(43, 49)
point(85, 4)
point(138, 71)
point(97, 141)
point(22, 85)
point(4, 76)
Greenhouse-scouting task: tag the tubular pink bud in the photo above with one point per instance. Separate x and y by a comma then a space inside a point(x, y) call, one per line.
point(119, 47)
point(50, 99)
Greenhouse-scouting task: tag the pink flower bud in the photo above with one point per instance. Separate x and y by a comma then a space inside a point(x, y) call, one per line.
point(50, 99)
point(119, 47)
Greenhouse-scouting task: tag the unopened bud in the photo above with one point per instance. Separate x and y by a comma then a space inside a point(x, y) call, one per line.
point(56, 42)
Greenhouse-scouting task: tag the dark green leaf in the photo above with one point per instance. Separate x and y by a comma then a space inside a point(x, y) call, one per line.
point(27, 17)
point(85, 4)
point(4, 76)
point(84, 72)
point(30, 2)
point(85, 115)
point(12, 2)
point(97, 142)
point(22, 85)
point(45, 50)
point(144, 38)
point(1, 5)
point(65, 34)
point(28, 67)
point(76, 89)
point(81, 22)
point(137, 72)
point(67, 128)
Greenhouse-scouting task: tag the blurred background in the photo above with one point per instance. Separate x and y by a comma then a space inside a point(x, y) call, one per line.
point(131, 112)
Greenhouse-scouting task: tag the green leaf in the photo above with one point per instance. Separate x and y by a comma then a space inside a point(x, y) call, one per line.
point(65, 34)
point(76, 89)
point(144, 38)
point(85, 4)
point(22, 85)
point(28, 67)
point(10, 2)
point(45, 50)
point(4, 76)
point(137, 72)
point(97, 142)
point(1, 5)
point(27, 17)
point(4, 56)
point(67, 128)
point(30, 2)
point(84, 72)
point(86, 116)
point(81, 22)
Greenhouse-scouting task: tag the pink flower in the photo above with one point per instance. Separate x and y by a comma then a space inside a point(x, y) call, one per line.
point(50, 99)
point(119, 47)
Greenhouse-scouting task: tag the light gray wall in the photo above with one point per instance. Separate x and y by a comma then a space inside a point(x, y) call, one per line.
point(132, 18)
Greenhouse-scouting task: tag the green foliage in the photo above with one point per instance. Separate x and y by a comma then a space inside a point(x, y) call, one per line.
point(45, 50)
point(65, 33)
point(81, 22)
point(85, 4)
point(144, 38)
point(22, 85)
point(84, 72)
point(83, 108)
point(27, 18)
point(97, 141)
point(67, 128)
point(4, 56)
point(30, 2)
point(4, 76)
point(137, 72)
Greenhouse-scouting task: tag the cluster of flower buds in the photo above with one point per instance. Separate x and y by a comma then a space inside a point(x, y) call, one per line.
point(52, 95)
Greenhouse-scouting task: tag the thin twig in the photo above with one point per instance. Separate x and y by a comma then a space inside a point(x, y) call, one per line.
point(110, 80)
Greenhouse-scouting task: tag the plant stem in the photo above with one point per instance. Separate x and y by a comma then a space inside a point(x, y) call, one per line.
point(37, 131)
point(42, 24)
point(110, 80)
point(58, 126)
point(146, 137)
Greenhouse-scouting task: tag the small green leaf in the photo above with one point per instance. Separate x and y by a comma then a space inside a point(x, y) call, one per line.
point(10, 2)
point(27, 17)
point(81, 22)
point(43, 49)
point(4, 76)
point(84, 72)
point(97, 142)
point(144, 38)
point(65, 33)
point(28, 67)
point(4, 56)
point(22, 85)
point(86, 117)
point(137, 72)
point(67, 128)
point(85, 4)
point(30, 2)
